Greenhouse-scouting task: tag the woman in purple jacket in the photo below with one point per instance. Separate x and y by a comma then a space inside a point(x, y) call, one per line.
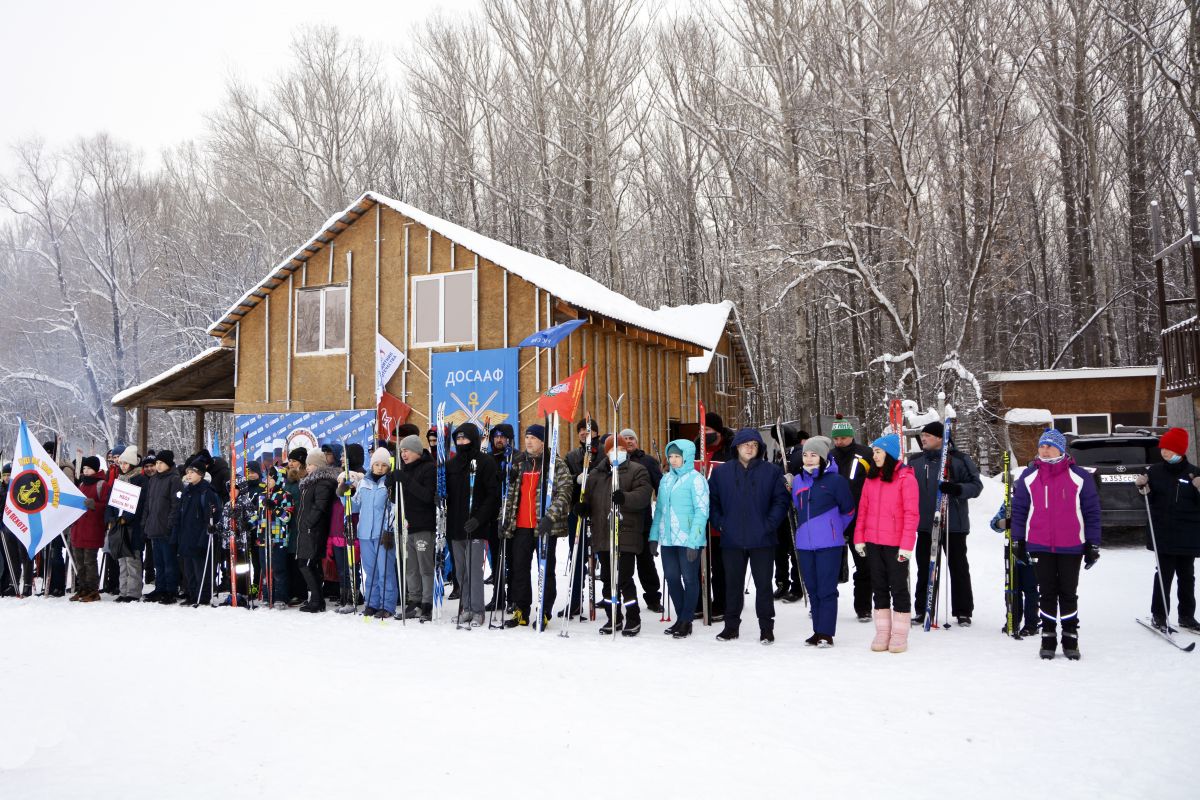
point(824, 508)
point(1056, 519)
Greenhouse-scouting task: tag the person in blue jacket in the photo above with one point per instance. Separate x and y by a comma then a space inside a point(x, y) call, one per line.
point(748, 498)
point(1026, 597)
point(824, 509)
point(680, 524)
point(376, 536)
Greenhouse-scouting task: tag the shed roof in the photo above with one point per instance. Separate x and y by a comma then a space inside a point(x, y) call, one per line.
point(1072, 374)
point(203, 381)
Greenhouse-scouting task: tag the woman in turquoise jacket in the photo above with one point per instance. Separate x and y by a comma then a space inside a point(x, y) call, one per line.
point(680, 527)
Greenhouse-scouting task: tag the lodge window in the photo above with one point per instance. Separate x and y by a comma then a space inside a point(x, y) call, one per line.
point(322, 321)
point(444, 309)
point(721, 373)
point(1084, 424)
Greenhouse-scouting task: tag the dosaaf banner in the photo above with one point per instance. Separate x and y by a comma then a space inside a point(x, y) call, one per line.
point(477, 386)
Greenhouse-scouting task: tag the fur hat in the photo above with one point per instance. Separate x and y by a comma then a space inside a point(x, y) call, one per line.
point(165, 456)
point(91, 461)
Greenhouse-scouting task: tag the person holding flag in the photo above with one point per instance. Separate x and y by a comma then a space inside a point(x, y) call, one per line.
point(87, 534)
point(41, 502)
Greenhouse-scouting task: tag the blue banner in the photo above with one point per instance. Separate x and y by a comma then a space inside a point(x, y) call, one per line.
point(477, 386)
point(271, 436)
point(551, 336)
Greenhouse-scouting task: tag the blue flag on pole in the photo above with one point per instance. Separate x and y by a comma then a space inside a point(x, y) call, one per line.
point(551, 336)
point(42, 501)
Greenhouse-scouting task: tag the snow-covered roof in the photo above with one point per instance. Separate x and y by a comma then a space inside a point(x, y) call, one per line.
point(1072, 374)
point(1029, 416)
point(1183, 323)
point(698, 324)
point(204, 357)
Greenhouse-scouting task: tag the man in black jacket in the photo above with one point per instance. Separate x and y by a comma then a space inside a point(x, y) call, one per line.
point(500, 447)
point(417, 477)
point(960, 485)
point(160, 496)
point(472, 499)
point(646, 568)
point(853, 461)
point(318, 490)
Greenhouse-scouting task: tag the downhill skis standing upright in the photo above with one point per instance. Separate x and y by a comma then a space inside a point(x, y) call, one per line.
point(233, 495)
point(941, 519)
point(499, 574)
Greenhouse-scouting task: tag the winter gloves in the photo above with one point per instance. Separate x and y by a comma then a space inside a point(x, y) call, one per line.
point(388, 540)
point(618, 498)
point(1091, 554)
point(1142, 482)
point(952, 489)
point(545, 526)
point(904, 555)
point(583, 509)
point(654, 549)
point(470, 526)
point(861, 549)
point(1022, 553)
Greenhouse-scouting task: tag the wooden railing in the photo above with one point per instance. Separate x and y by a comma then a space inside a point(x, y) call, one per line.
point(1181, 356)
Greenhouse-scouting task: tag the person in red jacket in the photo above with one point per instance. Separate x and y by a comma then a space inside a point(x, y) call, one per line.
point(885, 535)
point(87, 535)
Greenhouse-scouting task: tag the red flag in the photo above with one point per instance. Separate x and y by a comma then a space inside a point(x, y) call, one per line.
point(393, 412)
point(563, 398)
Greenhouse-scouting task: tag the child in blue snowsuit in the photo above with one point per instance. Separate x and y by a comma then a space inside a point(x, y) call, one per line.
point(1026, 587)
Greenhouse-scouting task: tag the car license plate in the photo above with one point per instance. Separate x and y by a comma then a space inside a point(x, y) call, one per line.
point(1121, 478)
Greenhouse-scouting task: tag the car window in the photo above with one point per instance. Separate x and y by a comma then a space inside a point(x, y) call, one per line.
point(1109, 456)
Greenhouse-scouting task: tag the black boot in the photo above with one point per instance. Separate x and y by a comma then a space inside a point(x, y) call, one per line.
point(633, 621)
point(1049, 644)
point(766, 634)
point(683, 631)
point(728, 634)
point(670, 629)
point(609, 627)
point(654, 603)
point(1070, 644)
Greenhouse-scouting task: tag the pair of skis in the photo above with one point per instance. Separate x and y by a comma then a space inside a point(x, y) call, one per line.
point(580, 524)
point(544, 541)
point(439, 544)
point(941, 520)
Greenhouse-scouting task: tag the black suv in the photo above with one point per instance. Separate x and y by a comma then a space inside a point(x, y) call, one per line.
point(1115, 461)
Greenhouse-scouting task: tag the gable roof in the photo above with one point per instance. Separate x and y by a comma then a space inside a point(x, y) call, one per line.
point(701, 324)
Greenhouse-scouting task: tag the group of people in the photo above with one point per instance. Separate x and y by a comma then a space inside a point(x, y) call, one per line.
point(823, 511)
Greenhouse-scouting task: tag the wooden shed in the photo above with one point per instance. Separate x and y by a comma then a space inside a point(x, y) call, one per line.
point(303, 339)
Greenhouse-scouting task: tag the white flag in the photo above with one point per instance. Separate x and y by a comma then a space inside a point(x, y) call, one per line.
point(387, 360)
point(42, 501)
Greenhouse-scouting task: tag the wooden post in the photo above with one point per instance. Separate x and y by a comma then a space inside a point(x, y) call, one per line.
point(143, 435)
point(199, 443)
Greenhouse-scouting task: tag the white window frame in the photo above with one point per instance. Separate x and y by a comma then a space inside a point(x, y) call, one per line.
point(721, 374)
point(321, 349)
point(440, 278)
point(1075, 420)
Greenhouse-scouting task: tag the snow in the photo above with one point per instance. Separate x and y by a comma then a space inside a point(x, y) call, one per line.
point(162, 376)
point(144, 701)
point(700, 324)
point(1072, 374)
point(1028, 416)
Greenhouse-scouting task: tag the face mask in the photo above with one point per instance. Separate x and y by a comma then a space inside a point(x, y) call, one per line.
point(710, 439)
point(1175, 459)
point(618, 457)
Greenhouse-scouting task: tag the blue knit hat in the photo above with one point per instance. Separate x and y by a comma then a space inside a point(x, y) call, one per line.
point(889, 444)
point(1055, 439)
point(538, 431)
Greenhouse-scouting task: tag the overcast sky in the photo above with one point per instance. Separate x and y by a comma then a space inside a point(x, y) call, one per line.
point(147, 72)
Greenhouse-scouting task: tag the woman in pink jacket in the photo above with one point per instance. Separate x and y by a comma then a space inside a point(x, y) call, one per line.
point(885, 535)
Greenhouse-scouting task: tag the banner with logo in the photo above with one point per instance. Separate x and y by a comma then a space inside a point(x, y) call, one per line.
point(269, 437)
point(42, 501)
point(393, 412)
point(477, 386)
point(388, 359)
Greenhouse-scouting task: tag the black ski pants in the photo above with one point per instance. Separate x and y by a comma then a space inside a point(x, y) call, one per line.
point(647, 572)
point(889, 578)
point(626, 588)
point(1058, 587)
point(522, 549)
point(761, 560)
point(1182, 568)
point(962, 601)
point(862, 578)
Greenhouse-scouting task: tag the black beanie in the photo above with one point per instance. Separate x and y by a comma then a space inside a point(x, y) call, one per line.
point(91, 461)
point(713, 420)
point(165, 456)
point(300, 454)
point(935, 428)
point(584, 423)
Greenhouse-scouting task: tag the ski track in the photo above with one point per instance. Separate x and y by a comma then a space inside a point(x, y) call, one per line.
point(150, 702)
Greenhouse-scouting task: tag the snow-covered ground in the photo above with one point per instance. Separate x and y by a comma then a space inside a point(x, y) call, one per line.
point(112, 701)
